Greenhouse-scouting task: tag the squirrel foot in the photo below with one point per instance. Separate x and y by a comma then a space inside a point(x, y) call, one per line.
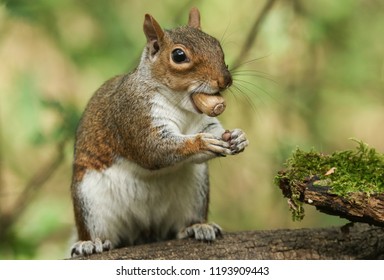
point(89, 247)
point(201, 231)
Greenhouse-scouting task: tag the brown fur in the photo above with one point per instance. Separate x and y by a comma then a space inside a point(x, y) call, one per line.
point(118, 123)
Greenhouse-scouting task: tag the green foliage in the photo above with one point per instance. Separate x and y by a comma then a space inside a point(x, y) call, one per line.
point(24, 242)
point(65, 129)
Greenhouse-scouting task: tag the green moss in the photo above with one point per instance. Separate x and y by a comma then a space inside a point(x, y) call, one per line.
point(359, 170)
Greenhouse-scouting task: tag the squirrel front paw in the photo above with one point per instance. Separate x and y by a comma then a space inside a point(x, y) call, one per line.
point(236, 139)
point(89, 247)
point(201, 231)
point(214, 144)
point(230, 143)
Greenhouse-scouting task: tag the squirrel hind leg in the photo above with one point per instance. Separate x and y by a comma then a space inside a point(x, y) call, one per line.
point(89, 247)
point(207, 232)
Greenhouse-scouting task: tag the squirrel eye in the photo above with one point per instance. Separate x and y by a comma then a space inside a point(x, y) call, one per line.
point(179, 56)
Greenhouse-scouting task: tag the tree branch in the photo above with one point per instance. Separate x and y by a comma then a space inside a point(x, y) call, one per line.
point(32, 186)
point(252, 34)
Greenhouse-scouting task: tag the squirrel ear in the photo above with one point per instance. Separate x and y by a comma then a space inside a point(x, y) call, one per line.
point(194, 18)
point(153, 32)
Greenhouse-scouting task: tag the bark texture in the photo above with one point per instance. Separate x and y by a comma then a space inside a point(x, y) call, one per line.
point(357, 241)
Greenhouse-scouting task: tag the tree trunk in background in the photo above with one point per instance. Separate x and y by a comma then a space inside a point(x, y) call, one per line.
point(355, 241)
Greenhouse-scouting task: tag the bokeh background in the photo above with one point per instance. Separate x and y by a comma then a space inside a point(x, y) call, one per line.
point(313, 77)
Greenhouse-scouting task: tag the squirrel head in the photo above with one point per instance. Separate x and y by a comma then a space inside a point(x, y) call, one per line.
point(186, 59)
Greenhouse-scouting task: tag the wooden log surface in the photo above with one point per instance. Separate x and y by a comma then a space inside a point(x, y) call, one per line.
point(359, 241)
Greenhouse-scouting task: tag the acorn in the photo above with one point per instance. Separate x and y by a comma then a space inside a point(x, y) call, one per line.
point(226, 136)
point(209, 104)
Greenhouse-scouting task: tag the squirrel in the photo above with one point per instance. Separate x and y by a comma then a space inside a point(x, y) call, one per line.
point(140, 170)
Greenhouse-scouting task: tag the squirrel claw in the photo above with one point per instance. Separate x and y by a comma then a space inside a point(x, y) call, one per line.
point(89, 247)
point(202, 232)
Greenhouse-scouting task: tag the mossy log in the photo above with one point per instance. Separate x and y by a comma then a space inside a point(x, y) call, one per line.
point(356, 207)
point(348, 183)
point(360, 241)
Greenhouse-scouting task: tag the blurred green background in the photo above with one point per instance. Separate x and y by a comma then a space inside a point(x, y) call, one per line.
point(313, 77)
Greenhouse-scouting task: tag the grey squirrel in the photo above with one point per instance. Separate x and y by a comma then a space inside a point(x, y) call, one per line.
point(140, 170)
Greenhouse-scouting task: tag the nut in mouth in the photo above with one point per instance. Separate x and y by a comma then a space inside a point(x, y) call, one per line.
point(209, 104)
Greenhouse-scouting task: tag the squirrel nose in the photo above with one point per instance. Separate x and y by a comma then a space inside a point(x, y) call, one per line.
point(225, 81)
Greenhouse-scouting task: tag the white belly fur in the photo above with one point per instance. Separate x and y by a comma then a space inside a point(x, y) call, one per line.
point(125, 200)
